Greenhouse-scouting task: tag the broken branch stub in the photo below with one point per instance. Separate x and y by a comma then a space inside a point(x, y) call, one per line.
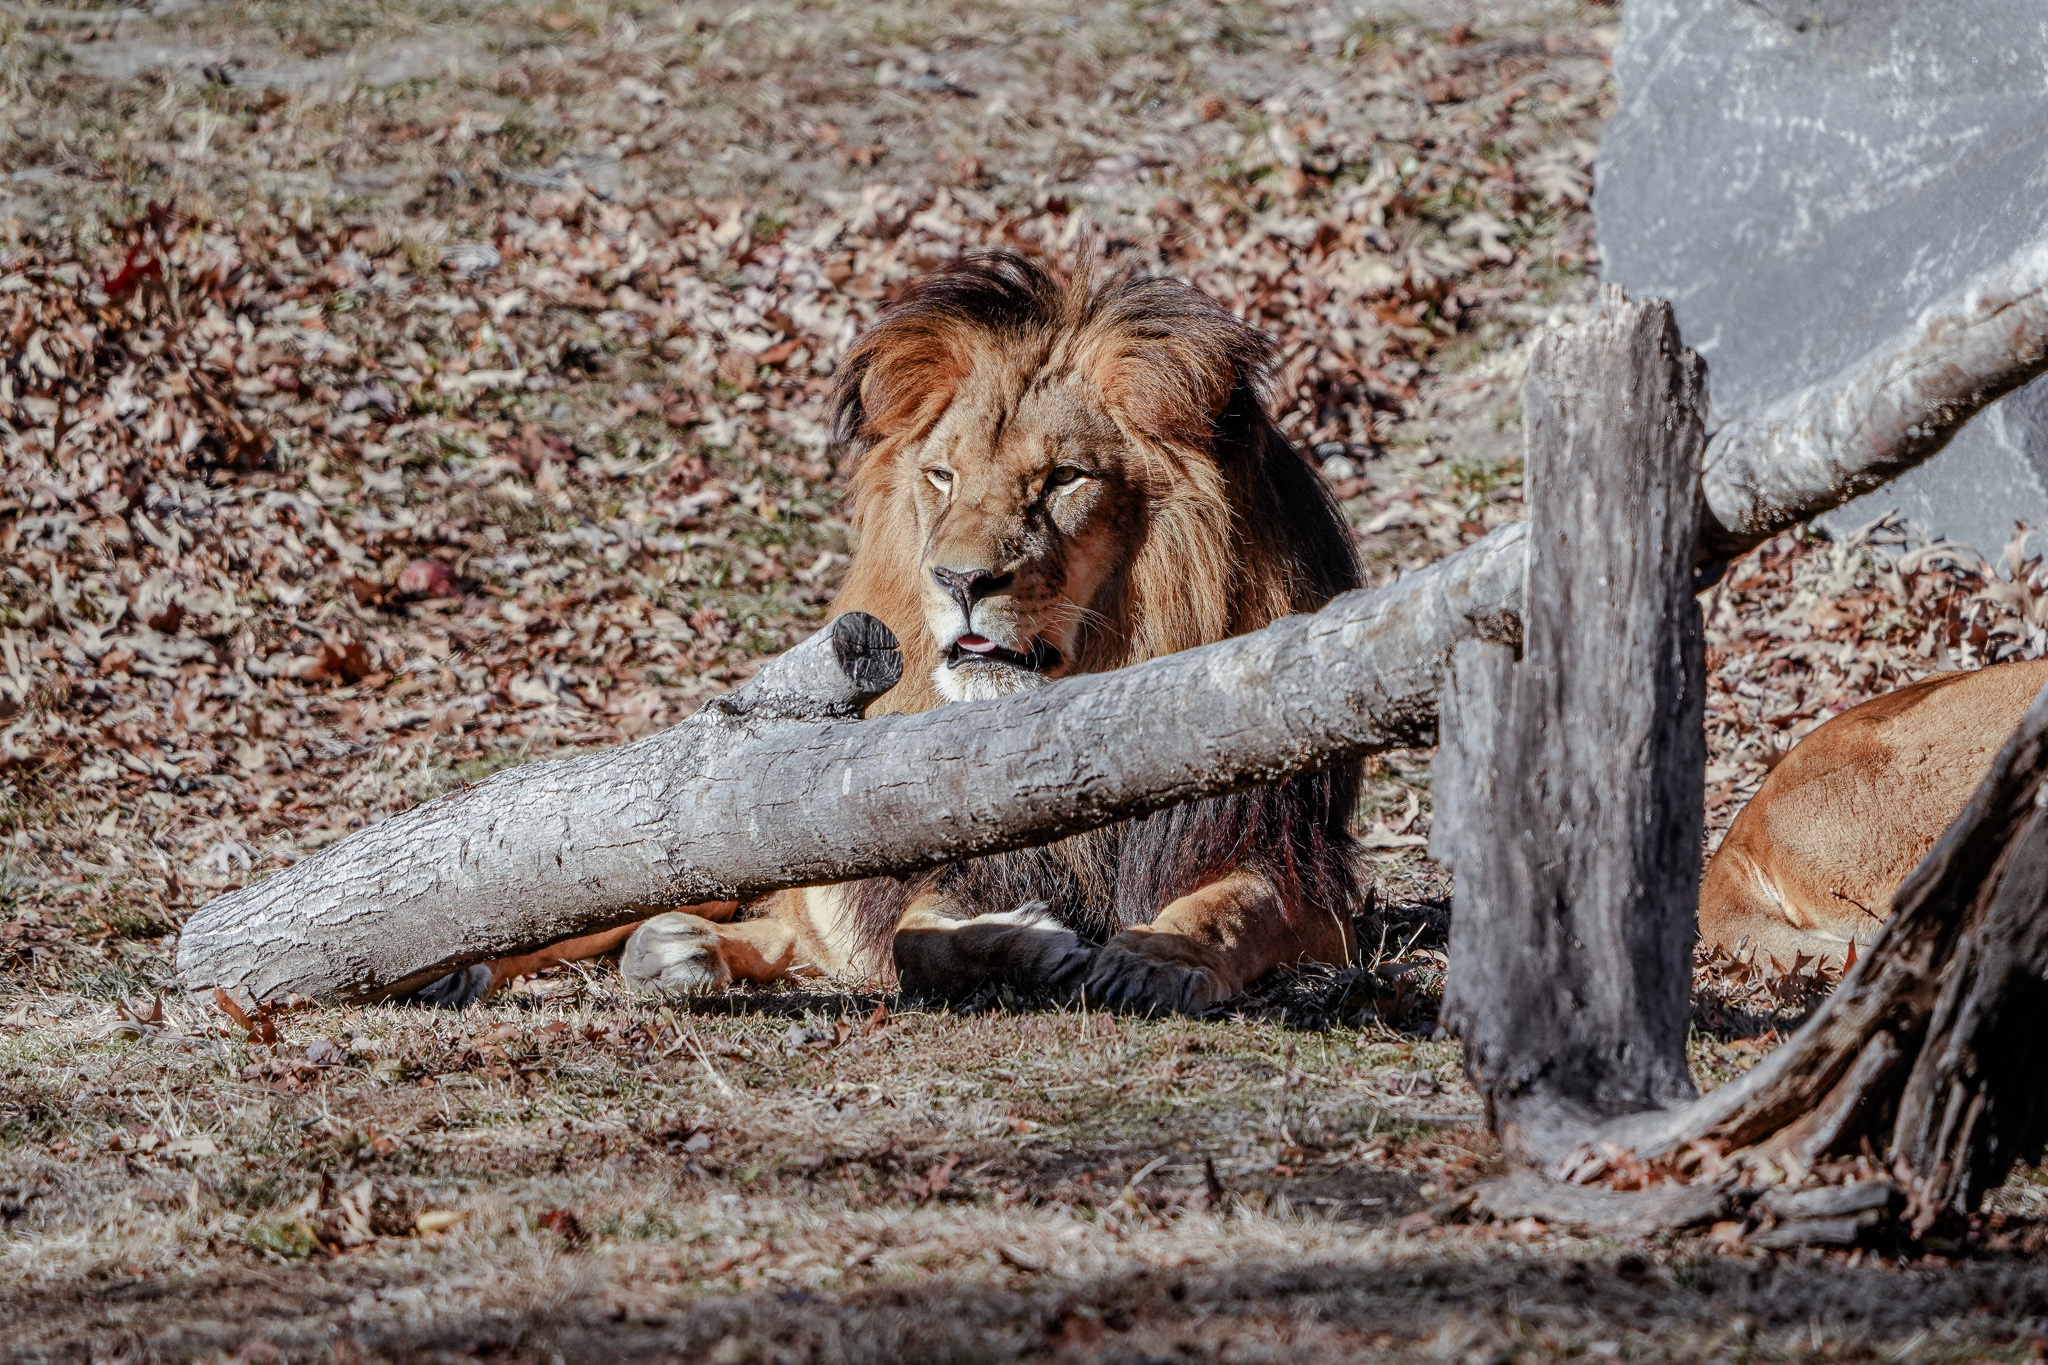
point(1570, 782)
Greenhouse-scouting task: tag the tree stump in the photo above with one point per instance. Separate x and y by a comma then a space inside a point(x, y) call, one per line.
point(1570, 782)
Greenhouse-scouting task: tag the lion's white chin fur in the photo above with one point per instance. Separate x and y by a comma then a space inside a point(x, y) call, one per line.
point(984, 682)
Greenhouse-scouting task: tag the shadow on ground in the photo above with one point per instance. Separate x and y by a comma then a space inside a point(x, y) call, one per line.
point(1391, 1300)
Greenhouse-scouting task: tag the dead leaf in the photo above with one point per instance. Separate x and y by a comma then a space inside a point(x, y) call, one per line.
point(565, 1225)
point(933, 1182)
point(326, 1052)
point(431, 1222)
point(334, 660)
point(426, 578)
point(256, 1025)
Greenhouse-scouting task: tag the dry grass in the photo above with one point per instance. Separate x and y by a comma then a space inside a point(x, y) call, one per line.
point(674, 195)
point(791, 1177)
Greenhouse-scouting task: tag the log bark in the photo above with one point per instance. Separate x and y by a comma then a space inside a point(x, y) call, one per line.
point(1614, 1213)
point(1570, 783)
point(1973, 1106)
point(779, 785)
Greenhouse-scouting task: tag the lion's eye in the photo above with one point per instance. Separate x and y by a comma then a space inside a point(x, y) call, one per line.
point(1064, 475)
point(942, 479)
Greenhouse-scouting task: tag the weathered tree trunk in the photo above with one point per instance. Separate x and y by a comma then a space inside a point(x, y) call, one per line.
point(552, 850)
point(1570, 783)
point(778, 785)
point(1974, 1105)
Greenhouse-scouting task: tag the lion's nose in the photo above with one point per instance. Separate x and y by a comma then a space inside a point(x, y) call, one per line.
point(968, 586)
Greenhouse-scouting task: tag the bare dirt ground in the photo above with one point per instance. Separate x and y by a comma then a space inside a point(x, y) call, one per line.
point(395, 391)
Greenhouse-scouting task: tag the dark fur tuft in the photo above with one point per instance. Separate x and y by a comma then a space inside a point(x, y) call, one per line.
point(1295, 833)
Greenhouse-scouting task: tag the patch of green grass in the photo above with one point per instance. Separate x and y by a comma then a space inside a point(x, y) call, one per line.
point(1481, 477)
point(1368, 36)
point(129, 917)
point(292, 1238)
point(523, 141)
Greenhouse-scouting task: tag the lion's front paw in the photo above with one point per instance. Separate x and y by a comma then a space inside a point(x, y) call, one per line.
point(455, 991)
point(675, 954)
point(1153, 973)
point(1026, 948)
point(1040, 954)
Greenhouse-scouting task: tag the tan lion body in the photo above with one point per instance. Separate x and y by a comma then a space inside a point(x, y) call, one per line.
point(1053, 479)
point(1811, 863)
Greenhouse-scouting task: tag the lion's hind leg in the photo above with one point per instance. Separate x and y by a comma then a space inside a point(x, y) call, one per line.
point(944, 952)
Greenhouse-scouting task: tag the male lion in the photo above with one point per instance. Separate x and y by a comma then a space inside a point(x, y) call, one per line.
point(1055, 478)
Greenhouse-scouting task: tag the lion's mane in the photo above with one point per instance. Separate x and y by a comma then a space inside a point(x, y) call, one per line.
point(1236, 531)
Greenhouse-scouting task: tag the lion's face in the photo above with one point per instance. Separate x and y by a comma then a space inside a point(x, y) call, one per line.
point(1055, 478)
point(1025, 522)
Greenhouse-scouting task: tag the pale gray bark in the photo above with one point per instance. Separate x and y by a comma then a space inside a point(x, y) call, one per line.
point(778, 786)
point(1570, 782)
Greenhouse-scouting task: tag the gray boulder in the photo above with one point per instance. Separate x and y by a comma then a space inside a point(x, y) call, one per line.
point(1800, 179)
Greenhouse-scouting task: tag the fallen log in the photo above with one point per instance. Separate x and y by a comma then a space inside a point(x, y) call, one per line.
point(716, 808)
point(778, 784)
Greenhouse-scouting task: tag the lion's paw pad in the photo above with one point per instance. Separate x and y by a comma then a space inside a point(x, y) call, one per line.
point(674, 954)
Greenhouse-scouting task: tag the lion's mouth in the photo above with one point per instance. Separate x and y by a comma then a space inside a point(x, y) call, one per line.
point(970, 649)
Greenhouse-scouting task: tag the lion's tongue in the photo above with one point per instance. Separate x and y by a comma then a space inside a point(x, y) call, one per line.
point(976, 644)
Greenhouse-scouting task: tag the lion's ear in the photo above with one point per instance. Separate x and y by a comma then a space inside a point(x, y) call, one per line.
point(908, 374)
point(1170, 360)
point(1171, 388)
